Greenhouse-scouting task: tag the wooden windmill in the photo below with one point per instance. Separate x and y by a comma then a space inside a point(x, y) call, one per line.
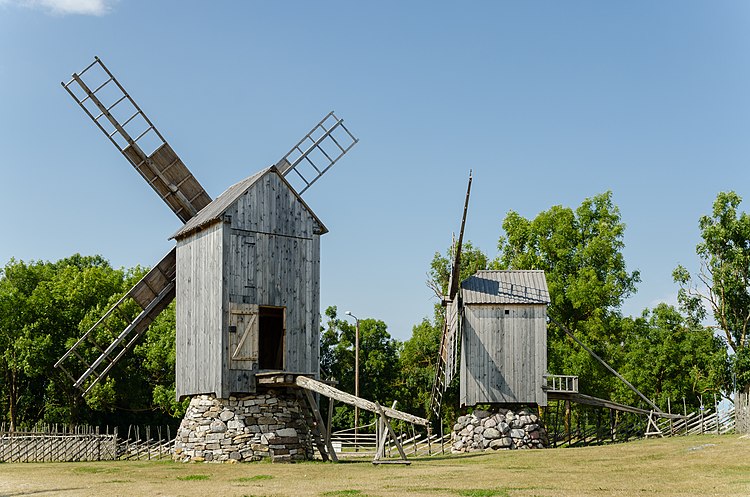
point(245, 270)
point(495, 328)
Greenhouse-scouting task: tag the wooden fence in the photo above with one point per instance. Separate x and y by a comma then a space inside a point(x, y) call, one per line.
point(83, 443)
point(413, 441)
point(718, 422)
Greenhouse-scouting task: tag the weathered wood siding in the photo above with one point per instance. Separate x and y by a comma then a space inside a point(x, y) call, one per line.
point(270, 256)
point(503, 356)
point(199, 317)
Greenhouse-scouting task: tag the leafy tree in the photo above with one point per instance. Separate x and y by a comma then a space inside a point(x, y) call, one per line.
point(438, 277)
point(669, 356)
point(417, 364)
point(44, 308)
point(581, 253)
point(378, 362)
point(723, 281)
point(42, 304)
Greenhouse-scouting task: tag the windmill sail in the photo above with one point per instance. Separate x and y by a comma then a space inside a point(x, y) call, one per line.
point(117, 115)
point(448, 353)
point(152, 294)
point(316, 152)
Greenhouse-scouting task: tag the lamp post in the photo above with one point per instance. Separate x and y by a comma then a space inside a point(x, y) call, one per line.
point(356, 374)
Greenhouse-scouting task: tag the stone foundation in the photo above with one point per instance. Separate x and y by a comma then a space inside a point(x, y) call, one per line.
point(503, 429)
point(269, 424)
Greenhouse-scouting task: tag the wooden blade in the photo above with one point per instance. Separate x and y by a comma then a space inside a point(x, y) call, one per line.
point(98, 92)
point(453, 282)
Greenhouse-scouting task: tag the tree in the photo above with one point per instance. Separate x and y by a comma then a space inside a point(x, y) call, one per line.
point(417, 364)
point(378, 362)
point(41, 305)
point(438, 277)
point(723, 282)
point(669, 356)
point(44, 308)
point(581, 253)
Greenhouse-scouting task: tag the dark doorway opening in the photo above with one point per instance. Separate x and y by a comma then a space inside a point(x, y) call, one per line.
point(271, 332)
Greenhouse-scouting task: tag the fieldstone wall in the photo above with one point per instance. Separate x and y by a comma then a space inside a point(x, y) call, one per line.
point(268, 424)
point(503, 429)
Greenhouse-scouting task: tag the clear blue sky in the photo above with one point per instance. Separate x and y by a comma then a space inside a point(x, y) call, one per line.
point(549, 102)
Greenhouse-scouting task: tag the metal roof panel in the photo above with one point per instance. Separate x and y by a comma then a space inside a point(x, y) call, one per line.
point(506, 287)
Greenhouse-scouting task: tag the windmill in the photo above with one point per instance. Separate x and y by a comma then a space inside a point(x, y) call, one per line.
point(116, 114)
point(448, 352)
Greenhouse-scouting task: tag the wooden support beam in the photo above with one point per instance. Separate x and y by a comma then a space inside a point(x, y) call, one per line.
point(336, 394)
point(595, 401)
point(604, 363)
point(386, 425)
point(324, 441)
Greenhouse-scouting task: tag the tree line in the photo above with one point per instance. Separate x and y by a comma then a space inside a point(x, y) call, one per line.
point(667, 351)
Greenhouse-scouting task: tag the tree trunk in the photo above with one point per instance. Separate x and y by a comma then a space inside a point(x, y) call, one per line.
point(12, 401)
point(742, 410)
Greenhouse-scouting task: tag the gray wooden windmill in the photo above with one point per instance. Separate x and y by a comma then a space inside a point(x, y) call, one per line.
point(495, 329)
point(245, 271)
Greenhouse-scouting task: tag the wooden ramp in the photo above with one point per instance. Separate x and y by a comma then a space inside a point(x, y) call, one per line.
point(597, 402)
point(322, 435)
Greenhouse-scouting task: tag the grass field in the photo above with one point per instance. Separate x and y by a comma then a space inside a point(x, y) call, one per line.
point(696, 465)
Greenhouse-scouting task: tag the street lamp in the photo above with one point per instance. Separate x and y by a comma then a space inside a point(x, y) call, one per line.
point(356, 373)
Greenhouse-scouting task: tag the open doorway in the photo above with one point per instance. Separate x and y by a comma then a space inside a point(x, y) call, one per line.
point(271, 334)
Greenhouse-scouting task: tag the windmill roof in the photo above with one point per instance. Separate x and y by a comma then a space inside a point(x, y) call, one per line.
point(213, 211)
point(506, 287)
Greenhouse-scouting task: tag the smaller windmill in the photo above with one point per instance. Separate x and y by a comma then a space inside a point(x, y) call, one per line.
point(495, 329)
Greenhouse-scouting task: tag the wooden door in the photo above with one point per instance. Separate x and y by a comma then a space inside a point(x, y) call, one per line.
point(243, 336)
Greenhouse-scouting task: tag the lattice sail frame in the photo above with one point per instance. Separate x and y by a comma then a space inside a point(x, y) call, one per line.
point(152, 294)
point(448, 354)
point(316, 152)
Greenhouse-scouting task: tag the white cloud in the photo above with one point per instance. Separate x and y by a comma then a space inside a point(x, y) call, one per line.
point(67, 7)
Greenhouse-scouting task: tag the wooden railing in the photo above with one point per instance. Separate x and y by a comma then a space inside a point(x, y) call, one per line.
point(561, 383)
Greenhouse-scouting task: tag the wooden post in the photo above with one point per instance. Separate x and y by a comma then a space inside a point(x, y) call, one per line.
point(330, 417)
point(684, 410)
point(671, 422)
point(322, 430)
point(716, 410)
point(381, 446)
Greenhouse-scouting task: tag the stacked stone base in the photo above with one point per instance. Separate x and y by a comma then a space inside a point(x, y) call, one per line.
point(270, 424)
point(502, 429)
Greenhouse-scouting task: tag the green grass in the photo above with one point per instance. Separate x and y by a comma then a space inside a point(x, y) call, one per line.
point(483, 493)
point(103, 468)
point(254, 478)
point(193, 477)
point(342, 493)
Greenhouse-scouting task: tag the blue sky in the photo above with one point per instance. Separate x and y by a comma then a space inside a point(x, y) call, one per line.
point(549, 102)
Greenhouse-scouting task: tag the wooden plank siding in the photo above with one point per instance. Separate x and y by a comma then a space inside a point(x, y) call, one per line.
point(503, 356)
point(270, 257)
point(199, 316)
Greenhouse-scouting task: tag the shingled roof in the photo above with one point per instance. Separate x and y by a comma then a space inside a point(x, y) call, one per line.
point(215, 210)
point(506, 287)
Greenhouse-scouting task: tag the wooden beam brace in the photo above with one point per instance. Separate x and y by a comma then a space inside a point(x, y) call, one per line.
point(334, 393)
point(321, 429)
point(604, 363)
